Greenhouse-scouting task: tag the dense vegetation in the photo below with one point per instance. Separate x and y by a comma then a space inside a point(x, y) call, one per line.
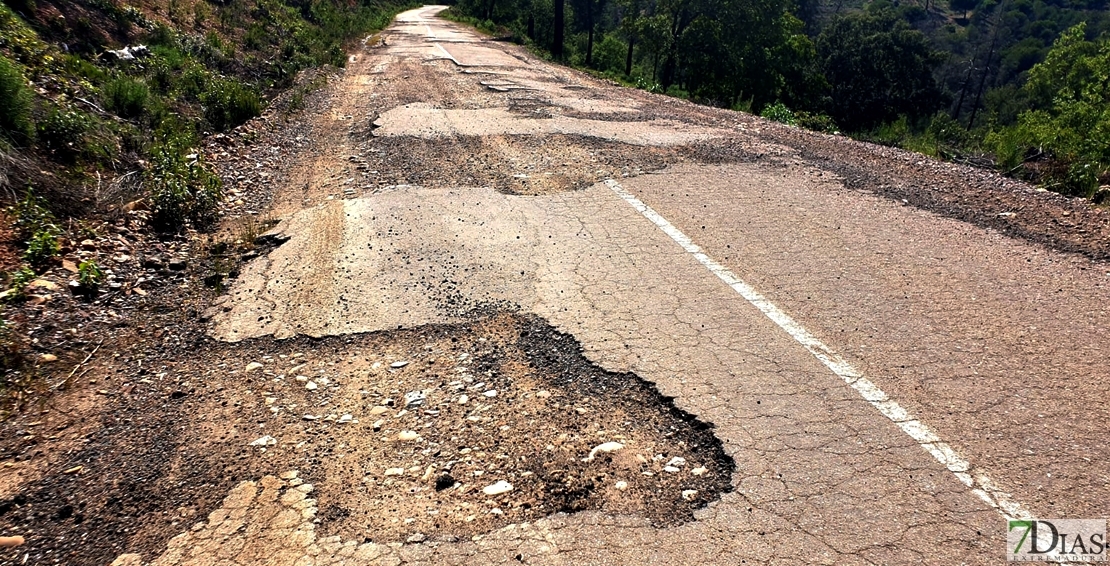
point(1018, 84)
point(96, 92)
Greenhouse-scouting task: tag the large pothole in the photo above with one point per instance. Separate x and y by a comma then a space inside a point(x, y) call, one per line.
point(504, 422)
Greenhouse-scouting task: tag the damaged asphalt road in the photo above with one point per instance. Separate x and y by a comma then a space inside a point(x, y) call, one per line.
point(511, 313)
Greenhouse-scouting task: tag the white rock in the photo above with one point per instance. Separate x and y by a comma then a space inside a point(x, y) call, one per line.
point(253, 366)
point(621, 485)
point(398, 365)
point(698, 471)
point(311, 386)
point(671, 469)
point(677, 462)
point(407, 435)
point(689, 494)
point(346, 419)
point(498, 488)
point(463, 399)
point(603, 447)
point(311, 417)
point(491, 393)
point(395, 471)
point(264, 441)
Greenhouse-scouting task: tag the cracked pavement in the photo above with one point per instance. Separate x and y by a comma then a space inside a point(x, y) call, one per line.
point(995, 343)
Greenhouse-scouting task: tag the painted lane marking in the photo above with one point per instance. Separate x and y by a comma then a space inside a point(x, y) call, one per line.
point(976, 479)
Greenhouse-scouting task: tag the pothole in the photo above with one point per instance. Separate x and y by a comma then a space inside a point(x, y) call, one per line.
point(449, 431)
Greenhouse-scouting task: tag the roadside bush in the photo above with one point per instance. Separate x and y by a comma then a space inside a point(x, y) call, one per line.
point(182, 188)
point(126, 97)
point(229, 103)
point(779, 113)
point(89, 275)
point(63, 132)
point(816, 122)
point(15, 99)
point(43, 245)
point(30, 214)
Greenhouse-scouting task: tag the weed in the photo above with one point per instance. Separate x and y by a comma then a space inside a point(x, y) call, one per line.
point(30, 214)
point(229, 103)
point(43, 245)
point(182, 188)
point(780, 113)
point(64, 133)
point(19, 280)
point(15, 98)
point(89, 275)
point(126, 97)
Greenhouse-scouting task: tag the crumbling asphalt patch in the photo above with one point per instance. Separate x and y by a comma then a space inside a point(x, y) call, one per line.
point(439, 432)
point(447, 431)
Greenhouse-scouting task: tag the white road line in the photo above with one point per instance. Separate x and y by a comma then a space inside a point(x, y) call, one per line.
point(976, 479)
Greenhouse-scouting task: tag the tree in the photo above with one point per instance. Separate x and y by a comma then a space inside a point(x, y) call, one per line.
point(964, 6)
point(1071, 124)
point(878, 69)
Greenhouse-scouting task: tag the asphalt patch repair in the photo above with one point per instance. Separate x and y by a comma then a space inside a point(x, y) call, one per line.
point(407, 435)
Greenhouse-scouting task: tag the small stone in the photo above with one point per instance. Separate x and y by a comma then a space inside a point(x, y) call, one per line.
point(496, 511)
point(290, 475)
point(416, 538)
point(47, 358)
point(491, 393)
point(378, 411)
point(311, 386)
point(463, 399)
point(398, 365)
point(677, 462)
point(406, 435)
point(603, 447)
point(88, 245)
point(444, 481)
point(700, 470)
point(395, 472)
point(414, 399)
point(621, 485)
point(264, 441)
point(671, 469)
point(689, 494)
point(498, 488)
point(301, 378)
point(253, 366)
point(345, 419)
point(312, 417)
point(178, 264)
point(378, 424)
point(543, 394)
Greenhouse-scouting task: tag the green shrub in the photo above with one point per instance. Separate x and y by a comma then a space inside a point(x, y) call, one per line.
point(19, 280)
point(43, 245)
point(15, 105)
point(816, 122)
point(89, 274)
point(126, 97)
point(228, 103)
point(30, 214)
point(182, 188)
point(780, 113)
point(64, 132)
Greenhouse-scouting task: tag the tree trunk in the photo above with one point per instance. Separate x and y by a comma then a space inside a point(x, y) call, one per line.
point(628, 57)
point(590, 33)
point(560, 23)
